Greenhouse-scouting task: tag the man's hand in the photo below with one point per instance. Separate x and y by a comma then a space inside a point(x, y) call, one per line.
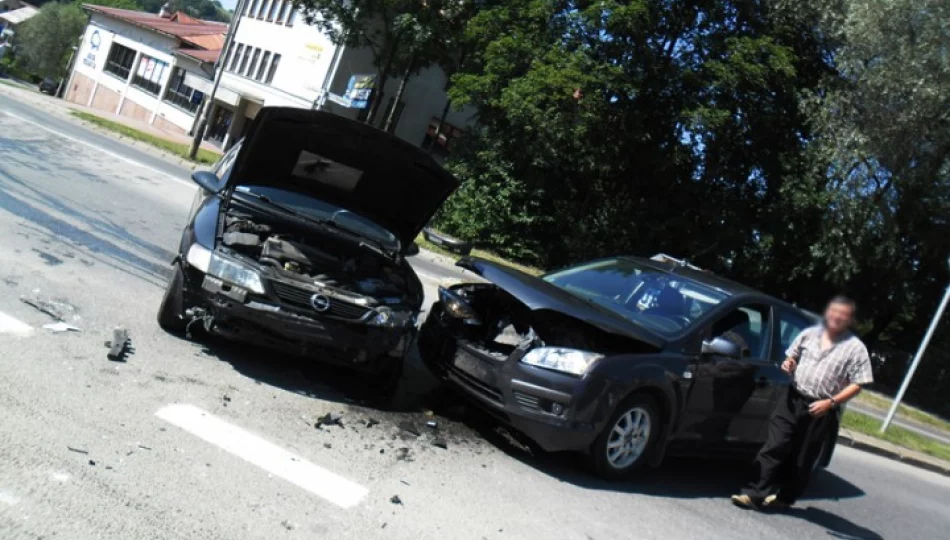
point(820, 408)
point(789, 365)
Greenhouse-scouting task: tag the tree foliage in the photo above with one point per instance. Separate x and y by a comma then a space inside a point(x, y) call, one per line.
point(45, 41)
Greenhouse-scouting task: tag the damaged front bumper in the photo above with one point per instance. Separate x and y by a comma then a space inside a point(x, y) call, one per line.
point(233, 313)
point(556, 410)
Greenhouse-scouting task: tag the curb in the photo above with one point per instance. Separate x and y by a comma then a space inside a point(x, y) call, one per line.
point(932, 466)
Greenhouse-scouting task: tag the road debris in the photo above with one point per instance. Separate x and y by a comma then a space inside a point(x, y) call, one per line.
point(404, 482)
point(60, 326)
point(329, 419)
point(77, 450)
point(119, 346)
point(404, 454)
point(370, 422)
point(143, 447)
point(48, 308)
point(288, 525)
point(410, 428)
point(440, 443)
point(225, 399)
point(432, 424)
point(327, 445)
point(395, 499)
point(92, 462)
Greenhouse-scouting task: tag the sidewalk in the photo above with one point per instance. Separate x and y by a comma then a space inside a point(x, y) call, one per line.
point(63, 108)
point(867, 443)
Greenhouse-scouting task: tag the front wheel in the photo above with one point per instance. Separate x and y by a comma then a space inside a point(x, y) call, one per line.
point(624, 444)
point(171, 311)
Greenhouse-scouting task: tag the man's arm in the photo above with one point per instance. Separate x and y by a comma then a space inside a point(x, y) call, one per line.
point(823, 406)
point(793, 353)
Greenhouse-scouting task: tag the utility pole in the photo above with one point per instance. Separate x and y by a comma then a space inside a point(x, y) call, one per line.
point(920, 353)
point(201, 121)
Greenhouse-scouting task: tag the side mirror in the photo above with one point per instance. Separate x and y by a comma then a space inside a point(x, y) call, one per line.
point(413, 249)
point(207, 180)
point(721, 347)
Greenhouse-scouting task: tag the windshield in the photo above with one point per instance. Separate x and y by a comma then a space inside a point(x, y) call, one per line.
point(660, 301)
point(323, 211)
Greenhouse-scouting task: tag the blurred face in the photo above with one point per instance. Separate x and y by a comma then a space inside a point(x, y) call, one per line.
point(838, 317)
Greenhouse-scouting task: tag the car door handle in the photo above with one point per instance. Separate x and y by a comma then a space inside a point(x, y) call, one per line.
point(763, 382)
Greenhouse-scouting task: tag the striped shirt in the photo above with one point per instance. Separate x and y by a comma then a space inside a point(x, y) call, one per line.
point(822, 374)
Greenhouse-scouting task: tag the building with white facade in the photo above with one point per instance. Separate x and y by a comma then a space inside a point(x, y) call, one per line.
point(276, 59)
point(154, 68)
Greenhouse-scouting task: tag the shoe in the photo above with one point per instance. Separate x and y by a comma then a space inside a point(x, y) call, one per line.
point(744, 501)
point(772, 502)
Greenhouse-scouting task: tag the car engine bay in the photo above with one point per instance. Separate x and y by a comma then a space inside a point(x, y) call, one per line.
point(339, 266)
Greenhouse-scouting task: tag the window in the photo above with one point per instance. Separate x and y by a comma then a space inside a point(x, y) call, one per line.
point(748, 327)
point(251, 8)
point(282, 16)
point(149, 75)
point(119, 61)
point(273, 10)
point(262, 66)
point(263, 10)
point(272, 70)
point(236, 57)
point(181, 95)
point(244, 58)
point(789, 326)
point(292, 18)
point(447, 135)
point(253, 67)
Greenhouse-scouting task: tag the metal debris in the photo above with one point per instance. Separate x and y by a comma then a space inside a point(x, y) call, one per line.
point(77, 450)
point(404, 482)
point(60, 326)
point(395, 499)
point(410, 428)
point(119, 346)
point(329, 419)
point(44, 307)
point(432, 424)
point(143, 447)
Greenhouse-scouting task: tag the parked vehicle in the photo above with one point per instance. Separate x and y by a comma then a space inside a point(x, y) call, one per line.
point(49, 86)
point(450, 243)
point(296, 240)
point(626, 359)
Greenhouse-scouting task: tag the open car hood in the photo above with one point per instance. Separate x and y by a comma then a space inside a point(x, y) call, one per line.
point(345, 163)
point(537, 294)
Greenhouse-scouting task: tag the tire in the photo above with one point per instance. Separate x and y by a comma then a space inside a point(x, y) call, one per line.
point(642, 415)
point(171, 311)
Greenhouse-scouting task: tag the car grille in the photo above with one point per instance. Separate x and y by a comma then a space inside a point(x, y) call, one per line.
point(300, 297)
point(479, 386)
point(527, 401)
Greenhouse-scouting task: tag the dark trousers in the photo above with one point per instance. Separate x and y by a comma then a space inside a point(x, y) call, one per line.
point(795, 439)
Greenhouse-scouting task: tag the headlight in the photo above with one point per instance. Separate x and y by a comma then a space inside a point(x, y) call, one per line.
point(235, 273)
point(199, 257)
point(571, 361)
point(456, 307)
point(389, 318)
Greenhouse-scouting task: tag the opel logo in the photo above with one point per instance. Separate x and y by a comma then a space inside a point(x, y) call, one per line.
point(320, 302)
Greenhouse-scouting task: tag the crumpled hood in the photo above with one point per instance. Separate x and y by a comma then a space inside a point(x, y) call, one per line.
point(345, 163)
point(537, 294)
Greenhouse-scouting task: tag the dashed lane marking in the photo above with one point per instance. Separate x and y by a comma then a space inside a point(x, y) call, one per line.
point(9, 325)
point(264, 454)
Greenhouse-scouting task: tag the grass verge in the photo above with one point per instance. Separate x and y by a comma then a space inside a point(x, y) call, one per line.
point(896, 435)
point(178, 149)
point(906, 412)
point(425, 244)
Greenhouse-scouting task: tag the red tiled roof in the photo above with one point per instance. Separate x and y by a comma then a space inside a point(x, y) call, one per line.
point(200, 54)
point(207, 35)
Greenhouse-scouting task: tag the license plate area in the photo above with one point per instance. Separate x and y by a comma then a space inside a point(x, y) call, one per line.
point(474, 366)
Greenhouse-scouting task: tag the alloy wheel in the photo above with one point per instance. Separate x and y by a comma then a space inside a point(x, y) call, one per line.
point(628, 438)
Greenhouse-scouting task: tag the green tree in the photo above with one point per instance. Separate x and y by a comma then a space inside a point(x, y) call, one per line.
point(45, 42)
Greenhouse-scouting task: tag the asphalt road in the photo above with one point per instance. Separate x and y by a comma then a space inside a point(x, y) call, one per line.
point(201, 440)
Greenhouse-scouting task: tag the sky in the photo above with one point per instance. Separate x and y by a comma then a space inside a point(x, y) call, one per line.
point(228, 4)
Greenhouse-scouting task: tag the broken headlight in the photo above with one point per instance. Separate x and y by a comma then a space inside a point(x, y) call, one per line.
point(227, 270)
point(573, 361)
point(389, 318)
point(456, 307)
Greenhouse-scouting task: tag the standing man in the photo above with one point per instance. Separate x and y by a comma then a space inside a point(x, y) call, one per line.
point(828, 365)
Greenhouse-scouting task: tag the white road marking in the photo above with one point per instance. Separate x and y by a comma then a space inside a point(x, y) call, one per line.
point(101, 149)
point(264, 454)
point(9, 325)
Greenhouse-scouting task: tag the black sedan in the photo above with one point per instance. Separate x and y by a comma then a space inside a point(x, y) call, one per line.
point(297, 241)
point(625, 359)
point(49, 86)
